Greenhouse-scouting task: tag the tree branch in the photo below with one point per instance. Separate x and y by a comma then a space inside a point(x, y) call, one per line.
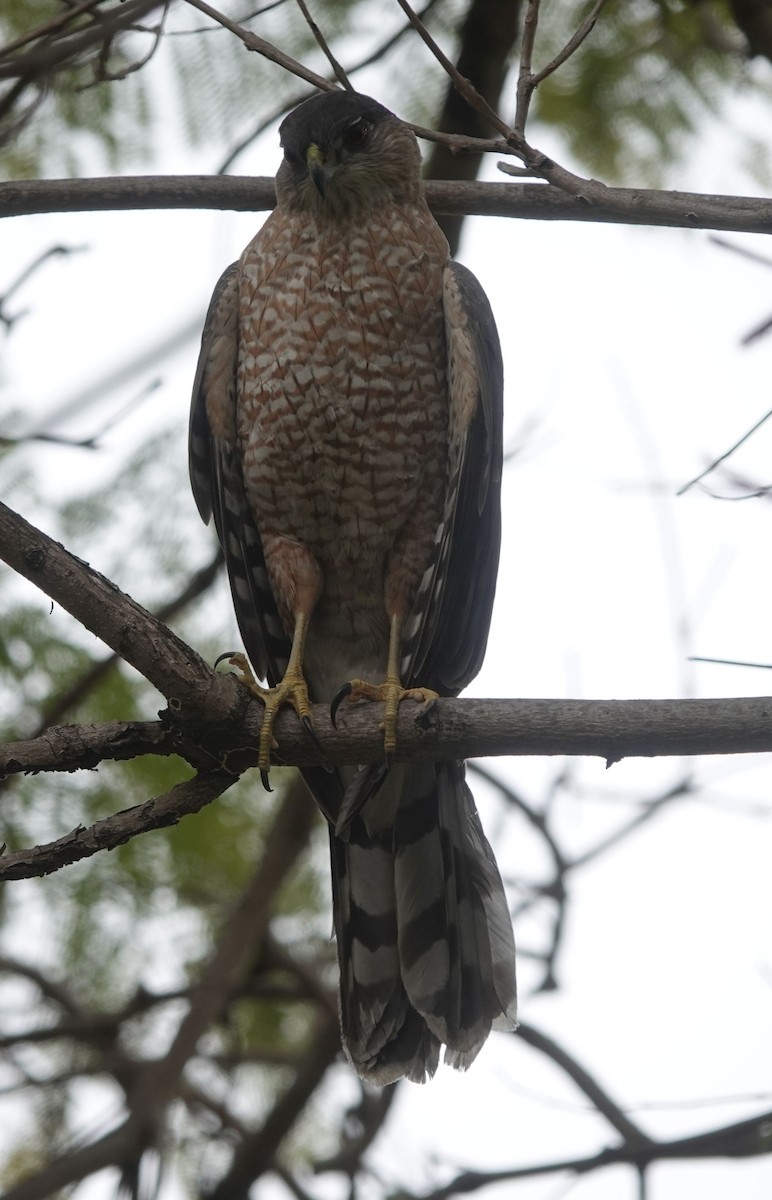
point(526, 201)
point(83, 747)
point(180, 801)
point(130, 630)
point(737, 1141)
point(451, 729)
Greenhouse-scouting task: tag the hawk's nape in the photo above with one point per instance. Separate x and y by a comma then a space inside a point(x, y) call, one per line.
point(346, 436)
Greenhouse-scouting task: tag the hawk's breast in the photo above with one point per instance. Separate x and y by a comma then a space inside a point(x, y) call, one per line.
point(343, 415)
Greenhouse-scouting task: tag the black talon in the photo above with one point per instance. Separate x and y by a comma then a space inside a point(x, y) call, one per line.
point(338, 699)
point(309, 728)
point(264, 778)
point(228, 654)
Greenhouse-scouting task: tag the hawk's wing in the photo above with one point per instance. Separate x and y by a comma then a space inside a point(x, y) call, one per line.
point(447, 632)
point(218, 486)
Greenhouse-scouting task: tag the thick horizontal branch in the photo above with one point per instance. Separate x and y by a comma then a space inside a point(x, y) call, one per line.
point(450, 730)
point(527, 201)
point(456, 729)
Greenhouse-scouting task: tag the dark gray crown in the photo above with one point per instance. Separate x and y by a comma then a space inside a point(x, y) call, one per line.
point(323, 118)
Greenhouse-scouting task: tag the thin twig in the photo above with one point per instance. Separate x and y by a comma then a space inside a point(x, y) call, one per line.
point(725, 455)
point(525, 84)
point(572, 45)
point(752, 255)
point(462, 85)
point(730, 662)
point(323, 45)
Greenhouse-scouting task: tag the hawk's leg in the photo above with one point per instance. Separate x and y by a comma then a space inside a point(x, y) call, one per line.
point(292, 690)
point(390, 692)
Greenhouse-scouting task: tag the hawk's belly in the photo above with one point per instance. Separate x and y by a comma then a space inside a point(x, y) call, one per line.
point(344, 416)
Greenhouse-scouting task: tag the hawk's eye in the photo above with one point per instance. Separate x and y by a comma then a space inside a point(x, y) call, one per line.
point(293, 157)
point(356, 135)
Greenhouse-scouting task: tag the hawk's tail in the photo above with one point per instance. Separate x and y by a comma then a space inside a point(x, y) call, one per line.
point(425, 944)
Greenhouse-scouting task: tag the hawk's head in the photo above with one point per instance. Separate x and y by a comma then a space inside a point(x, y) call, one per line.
point(345, 153)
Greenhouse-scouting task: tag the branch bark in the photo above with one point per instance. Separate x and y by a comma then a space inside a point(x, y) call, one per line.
point(525, 201)
point(180, 801)
point(129, 629)
point(450, 730)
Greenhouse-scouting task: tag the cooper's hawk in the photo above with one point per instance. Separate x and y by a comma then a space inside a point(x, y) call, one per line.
point(346, 435)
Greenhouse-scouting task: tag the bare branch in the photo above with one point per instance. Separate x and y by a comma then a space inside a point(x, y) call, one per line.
point(740, 1140)
point(139, 638)
point(83, 747)
point(452, 729)
point(182, 800)
point(730, 662)
point(27, 273)
point(528, 81)
point(598, 1096)
point(462, 85)
point(573, 43)
point(627, 206)
point(723, 457)
point(612, 729)
point(321, 41)
point(525, 85)
point(57, 705)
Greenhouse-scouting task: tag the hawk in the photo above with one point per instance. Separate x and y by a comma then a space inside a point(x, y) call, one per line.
point(346, 435)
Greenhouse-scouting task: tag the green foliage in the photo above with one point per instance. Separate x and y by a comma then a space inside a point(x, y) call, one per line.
point(637, 90)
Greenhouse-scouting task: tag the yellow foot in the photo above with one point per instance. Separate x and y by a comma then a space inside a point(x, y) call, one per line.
point(391, 693)
point(292, 690)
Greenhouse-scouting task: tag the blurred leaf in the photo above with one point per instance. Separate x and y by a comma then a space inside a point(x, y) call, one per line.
point(641, 84)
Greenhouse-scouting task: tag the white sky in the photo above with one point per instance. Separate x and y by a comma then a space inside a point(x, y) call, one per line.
point(621, 345)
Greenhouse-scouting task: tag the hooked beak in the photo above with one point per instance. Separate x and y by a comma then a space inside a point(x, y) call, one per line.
point(318, 169)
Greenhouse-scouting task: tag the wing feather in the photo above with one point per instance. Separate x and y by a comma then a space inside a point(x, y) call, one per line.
point(218, 486)
point(447, 633)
